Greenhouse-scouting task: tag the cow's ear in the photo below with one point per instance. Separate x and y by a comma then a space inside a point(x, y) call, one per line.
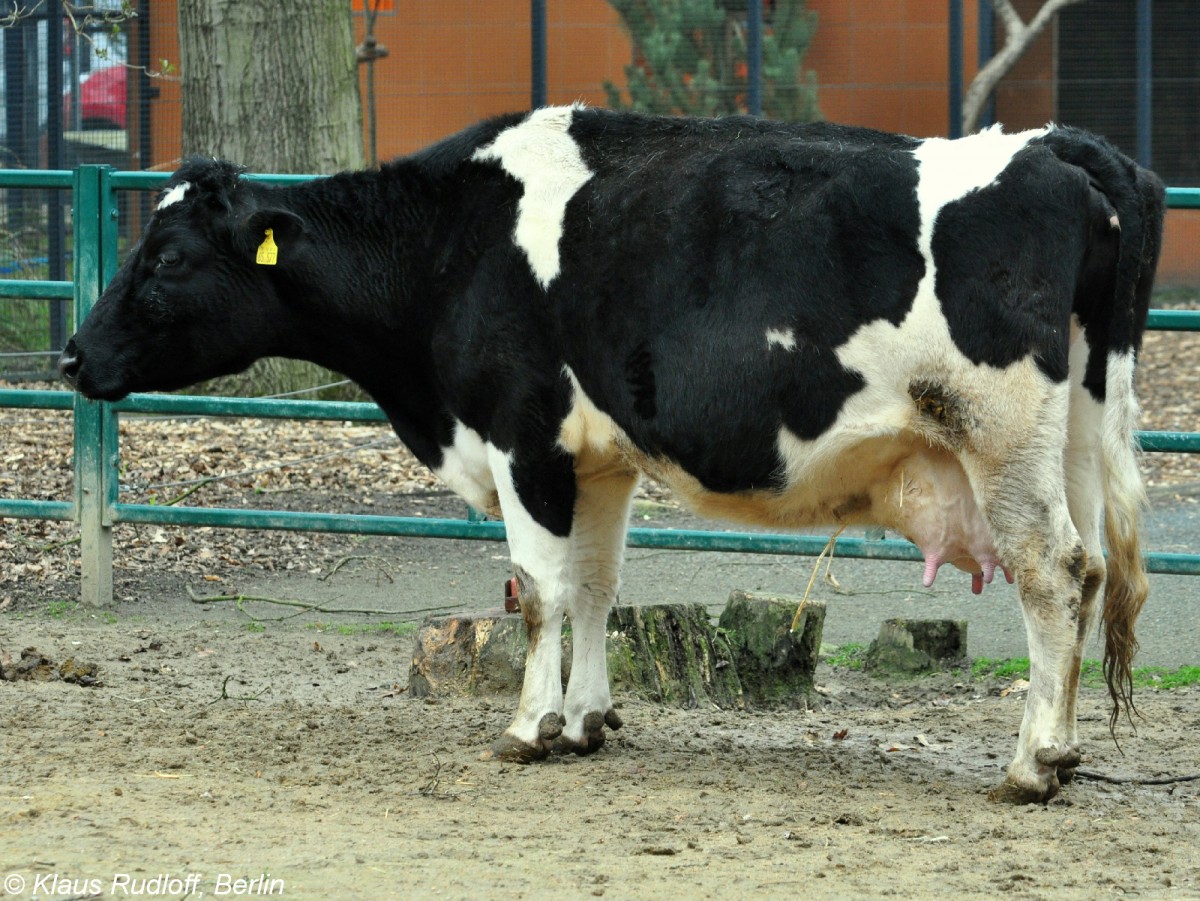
point(271, 237)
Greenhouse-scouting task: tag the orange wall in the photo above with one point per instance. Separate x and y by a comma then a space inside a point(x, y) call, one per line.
point(453, 62)
point(885, 63)
point(879, 63)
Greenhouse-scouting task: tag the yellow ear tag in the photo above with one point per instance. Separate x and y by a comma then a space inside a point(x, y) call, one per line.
point(268, 251)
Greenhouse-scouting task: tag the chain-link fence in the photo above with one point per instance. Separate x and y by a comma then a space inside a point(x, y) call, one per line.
point(100, 82)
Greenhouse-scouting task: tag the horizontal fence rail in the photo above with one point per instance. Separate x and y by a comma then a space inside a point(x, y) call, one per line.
point(96, 507)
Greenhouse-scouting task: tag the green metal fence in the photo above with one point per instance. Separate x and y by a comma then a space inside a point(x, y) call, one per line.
point(95, 506)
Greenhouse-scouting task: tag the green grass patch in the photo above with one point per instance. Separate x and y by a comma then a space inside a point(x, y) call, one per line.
point(61, 609)
point(849, 656)
point(1162, 678)
point(397, 629)
point(1091, 673)
point(255, 627)
point(1012, 668)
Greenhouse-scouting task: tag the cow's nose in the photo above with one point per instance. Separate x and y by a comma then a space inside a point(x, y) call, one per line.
point(70, 362)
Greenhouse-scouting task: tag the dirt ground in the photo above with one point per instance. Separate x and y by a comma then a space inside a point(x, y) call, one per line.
point(213, 752)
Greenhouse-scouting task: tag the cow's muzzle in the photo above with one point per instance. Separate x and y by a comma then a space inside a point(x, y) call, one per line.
point(70, 363)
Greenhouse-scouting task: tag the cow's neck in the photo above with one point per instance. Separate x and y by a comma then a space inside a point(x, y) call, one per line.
point(362, 295)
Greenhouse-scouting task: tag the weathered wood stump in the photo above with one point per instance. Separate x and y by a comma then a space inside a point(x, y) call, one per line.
point(669, 653)
point(917, 645)
point(477, 653)
point(775, 662)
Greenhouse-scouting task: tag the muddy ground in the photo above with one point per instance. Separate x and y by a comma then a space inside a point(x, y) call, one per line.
point(215, 747)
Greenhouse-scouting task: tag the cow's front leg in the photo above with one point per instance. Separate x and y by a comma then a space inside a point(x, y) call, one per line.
point(598, 545)
point(537, 502)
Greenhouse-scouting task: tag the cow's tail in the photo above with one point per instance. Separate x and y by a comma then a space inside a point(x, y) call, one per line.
point(1126, 585)
point(1114, 329)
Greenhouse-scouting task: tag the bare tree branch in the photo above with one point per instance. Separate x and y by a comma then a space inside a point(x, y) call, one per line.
point(86, 19)
point(1018, 37)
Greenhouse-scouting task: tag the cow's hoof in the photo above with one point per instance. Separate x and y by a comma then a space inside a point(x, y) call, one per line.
point(1011, 792)
point(511, 749)
point(1061, 758)
point(593, 733)
point(1066, 775)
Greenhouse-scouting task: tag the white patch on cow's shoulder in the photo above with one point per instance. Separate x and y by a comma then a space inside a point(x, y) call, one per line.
point(541, 154)
point(466, 471)
point(174, 195)
point(785, 338)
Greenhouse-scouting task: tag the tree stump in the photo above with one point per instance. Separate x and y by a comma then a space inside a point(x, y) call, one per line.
point(668, 653)
point(775, 662)
point(917, 645)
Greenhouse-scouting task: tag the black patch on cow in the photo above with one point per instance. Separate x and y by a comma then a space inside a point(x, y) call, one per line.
point(856, 503)
point(639, 369)
point(1077, 563)
point(1006, 288)
point(678, 270)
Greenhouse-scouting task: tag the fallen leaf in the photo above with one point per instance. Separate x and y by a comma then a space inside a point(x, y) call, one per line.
point(1017, 686)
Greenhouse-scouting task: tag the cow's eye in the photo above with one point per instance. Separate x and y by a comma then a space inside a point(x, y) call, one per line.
point(168, 258)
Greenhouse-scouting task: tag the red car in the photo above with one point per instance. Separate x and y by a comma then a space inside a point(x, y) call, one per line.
point(102, 98)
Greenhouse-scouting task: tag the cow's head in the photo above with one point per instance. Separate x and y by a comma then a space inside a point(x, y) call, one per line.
point(191, 302)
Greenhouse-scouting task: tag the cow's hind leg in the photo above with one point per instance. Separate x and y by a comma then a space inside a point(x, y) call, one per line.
point(1085, 500)
point(598, 545)
point(1024, 499)
point(537, 500)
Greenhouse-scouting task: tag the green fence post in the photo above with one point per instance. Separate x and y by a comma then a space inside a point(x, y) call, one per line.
point(95, 422)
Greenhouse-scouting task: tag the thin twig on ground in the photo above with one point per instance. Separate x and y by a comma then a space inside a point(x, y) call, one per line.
point(304, 606)
point(1135, 780)
point(226, 696)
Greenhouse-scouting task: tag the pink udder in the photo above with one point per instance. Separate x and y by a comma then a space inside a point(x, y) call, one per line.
point(982, 570)
point(938, 514)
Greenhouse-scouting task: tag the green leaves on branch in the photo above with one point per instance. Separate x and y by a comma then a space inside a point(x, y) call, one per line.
point(691, 57)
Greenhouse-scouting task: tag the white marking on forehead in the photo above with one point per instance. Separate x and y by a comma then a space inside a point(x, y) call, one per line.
point(174, 195)
point(784, 338)
point(541, 155)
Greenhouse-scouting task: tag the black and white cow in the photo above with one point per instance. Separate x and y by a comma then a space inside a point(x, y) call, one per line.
point(789, 325)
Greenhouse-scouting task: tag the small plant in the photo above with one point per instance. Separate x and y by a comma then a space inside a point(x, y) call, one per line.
point(847, 656)
point(1012, 668)
point(1091, 673)
point(255, 626)
point(691, 57)
point(60, 609)
point(398, 629)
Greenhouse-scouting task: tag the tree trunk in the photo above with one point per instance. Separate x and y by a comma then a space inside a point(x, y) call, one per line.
point(271, 85)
